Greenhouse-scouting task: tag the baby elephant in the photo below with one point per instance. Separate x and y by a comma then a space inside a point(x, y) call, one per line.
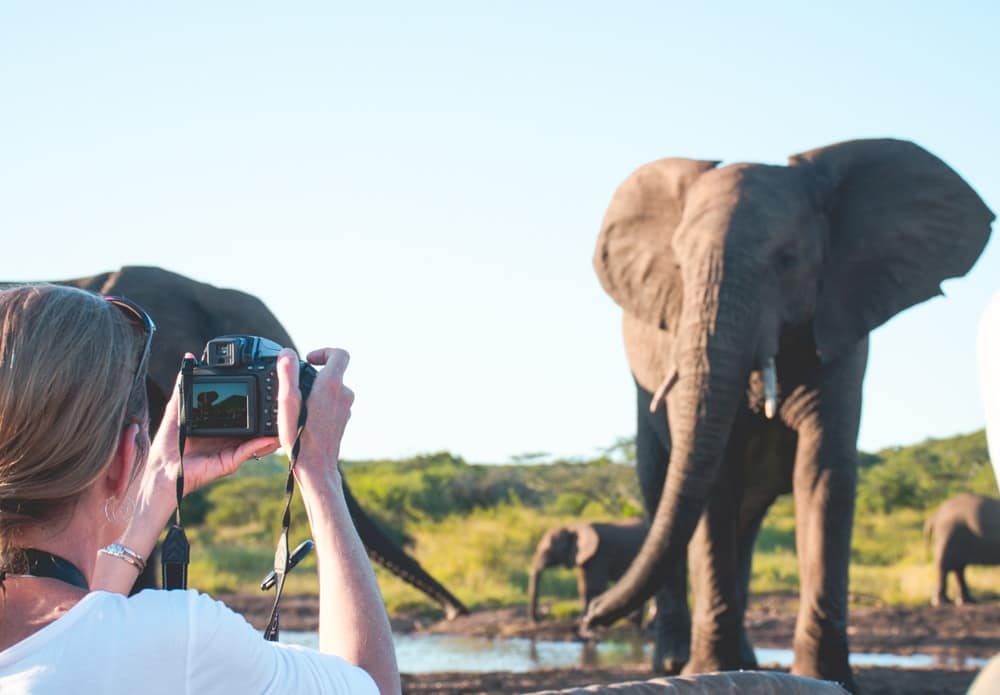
point(600, 552)
point(966, 531)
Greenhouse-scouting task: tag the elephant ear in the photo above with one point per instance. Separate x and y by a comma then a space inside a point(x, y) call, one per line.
point(587, 542)
point(633, 258)
point(902, 221)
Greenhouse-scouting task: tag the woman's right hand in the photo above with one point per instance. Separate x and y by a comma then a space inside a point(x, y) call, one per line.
point(329, 409)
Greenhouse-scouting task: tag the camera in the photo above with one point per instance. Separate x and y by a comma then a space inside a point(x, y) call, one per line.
point(233, 390)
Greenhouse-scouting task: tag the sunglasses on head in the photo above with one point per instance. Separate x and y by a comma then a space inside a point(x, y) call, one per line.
point(137, 315)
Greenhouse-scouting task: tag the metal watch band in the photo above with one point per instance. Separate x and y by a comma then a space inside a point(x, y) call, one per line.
point(123, 552)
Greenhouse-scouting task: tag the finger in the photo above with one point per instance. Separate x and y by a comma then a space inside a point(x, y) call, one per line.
point(335, 359)
point(255, 448)
point(289, 397)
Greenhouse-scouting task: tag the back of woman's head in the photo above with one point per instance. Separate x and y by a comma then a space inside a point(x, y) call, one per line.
point(68, 386)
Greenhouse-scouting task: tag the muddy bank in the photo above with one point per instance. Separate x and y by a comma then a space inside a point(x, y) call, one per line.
point(954, 634)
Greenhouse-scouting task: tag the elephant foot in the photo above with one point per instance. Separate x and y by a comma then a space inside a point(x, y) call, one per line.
point(672, 649)
point(748, 657)
point(824, 659)
point(669, 661)
point(668, 667)
point(711, 660)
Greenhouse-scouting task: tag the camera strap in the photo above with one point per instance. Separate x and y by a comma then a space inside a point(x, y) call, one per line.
point(281, 554)
point(175, 551)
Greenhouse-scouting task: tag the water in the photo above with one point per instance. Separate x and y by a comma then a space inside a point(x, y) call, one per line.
point(439, 653)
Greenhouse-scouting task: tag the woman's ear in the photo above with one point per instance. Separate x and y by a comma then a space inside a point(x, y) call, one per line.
point(902, 221)
point(634, 259)
point(120, 473)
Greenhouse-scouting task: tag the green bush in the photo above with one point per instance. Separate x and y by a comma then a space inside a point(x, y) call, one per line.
point(474, 527)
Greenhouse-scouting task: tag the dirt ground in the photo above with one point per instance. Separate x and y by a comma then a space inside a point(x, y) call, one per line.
point(953, 634)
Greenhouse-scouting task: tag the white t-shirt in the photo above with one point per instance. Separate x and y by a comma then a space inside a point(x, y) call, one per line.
point(170, 642)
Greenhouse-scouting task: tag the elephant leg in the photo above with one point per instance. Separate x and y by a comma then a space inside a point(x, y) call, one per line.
point(672, 620)
point(826, 414)
point(747, 536)
point(940, 597)
point(964, 597)
point(591, 581)
point(581, 590)
point(766, 473)
point(712, 558)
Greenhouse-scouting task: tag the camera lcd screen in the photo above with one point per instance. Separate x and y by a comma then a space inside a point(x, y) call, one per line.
point(220, 405)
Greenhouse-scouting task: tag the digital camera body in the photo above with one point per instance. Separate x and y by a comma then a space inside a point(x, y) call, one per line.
point(233, 390)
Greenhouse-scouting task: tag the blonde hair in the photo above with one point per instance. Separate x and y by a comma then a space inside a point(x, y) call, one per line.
point(69, 384)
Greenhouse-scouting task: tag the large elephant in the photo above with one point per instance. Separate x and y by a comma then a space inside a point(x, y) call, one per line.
point(964, 530)
point(600, 552)
point(748, 292)
point(188, 313)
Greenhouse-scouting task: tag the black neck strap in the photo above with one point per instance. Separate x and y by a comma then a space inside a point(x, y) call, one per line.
point(45, 564)
point(283, 560)
point(175, 551)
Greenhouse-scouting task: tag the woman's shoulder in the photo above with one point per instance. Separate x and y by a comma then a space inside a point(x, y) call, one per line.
point(189, 602)
point(179, 606)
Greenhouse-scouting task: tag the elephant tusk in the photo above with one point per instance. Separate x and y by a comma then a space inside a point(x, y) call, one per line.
point(664, 389)
point(770, 389)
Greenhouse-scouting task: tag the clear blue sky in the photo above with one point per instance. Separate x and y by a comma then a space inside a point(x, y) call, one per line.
point(424, 186)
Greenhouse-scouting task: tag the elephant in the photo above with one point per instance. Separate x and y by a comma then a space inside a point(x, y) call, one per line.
point(988, 362)
point(748, 293)
point(965, 530)
point(188, 313)
point(600, 552)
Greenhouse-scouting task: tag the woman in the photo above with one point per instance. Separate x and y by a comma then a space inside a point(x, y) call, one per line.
point(84, 495)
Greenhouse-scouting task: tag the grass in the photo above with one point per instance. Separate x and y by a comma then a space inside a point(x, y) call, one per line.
point(474, 528)
point(484, 559)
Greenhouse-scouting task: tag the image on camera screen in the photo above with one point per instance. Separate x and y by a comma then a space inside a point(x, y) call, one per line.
point(220, 405)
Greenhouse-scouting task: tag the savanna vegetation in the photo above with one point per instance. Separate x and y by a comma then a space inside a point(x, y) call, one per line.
point(474, 527)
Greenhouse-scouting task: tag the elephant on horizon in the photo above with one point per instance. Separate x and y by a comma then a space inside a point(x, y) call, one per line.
point(600, 552)
point(965, 530)
point(188, 313)
point(748, 293)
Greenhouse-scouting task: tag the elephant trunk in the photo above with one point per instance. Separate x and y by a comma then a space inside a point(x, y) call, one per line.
point(541, 561)
point(387, 553)
point(536, 573)
point(716, 351)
